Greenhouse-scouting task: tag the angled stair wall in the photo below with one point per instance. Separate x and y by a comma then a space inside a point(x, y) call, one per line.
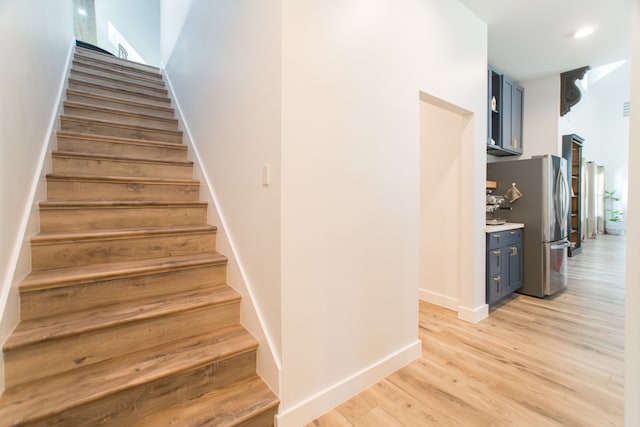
point(126, 318)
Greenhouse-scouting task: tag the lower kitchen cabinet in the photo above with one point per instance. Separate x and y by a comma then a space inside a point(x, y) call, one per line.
point(504, 264)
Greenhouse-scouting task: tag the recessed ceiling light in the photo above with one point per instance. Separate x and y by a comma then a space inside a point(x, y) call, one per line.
point(82, 12)
point(583, 32)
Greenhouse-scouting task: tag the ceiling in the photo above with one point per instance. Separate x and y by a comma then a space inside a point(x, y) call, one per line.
point(530, 39)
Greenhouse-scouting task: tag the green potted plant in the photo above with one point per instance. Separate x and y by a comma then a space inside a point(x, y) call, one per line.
point(613, 223)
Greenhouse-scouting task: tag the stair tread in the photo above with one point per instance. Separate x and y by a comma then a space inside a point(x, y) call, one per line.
point(53, 204)
point(38, 280)
point(111, 157)
point(39, 399)
point(88, 74)
point(47, 237)
point(84, 64)
point(35, 331)
point(112, 110)
point(88, 53)
point(77, 118)
point(229, 406)
point(97, 96)
point(129, 91)
point(94, 137)
point(124, 179)
point(126, 68)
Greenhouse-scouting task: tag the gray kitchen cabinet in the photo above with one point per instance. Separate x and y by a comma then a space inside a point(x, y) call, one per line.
point(504, 264)
point(505, 115)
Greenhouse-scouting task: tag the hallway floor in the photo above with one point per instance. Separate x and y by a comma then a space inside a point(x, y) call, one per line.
point(534, 362)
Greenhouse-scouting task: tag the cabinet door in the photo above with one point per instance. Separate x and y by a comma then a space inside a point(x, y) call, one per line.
point(507, 105)
point(514, 262)
point(495, 260)
point(517, 99)
point(494, 289)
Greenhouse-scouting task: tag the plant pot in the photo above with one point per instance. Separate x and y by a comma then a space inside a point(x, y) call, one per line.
point(614, 227)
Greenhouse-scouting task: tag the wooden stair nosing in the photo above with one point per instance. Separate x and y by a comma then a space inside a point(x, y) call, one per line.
point(82, 63)
point(116, 111)
point(75, 236)
point(39, 401)
point(113, 99)
point(121, 179)
point(235, 398)
point(107, 80)
point(118, 139)
point(109, 59)
point(121, 159)
point(109, 123)
point(101, 204)
point(45, 329)
point(41, 280)
point(162, 100)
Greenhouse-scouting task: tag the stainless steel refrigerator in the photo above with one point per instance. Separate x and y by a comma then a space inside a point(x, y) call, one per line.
point(543, 209)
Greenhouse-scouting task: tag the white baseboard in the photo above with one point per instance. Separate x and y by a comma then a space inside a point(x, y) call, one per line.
point(439, 299)
point(473, 315)
point(322, 402)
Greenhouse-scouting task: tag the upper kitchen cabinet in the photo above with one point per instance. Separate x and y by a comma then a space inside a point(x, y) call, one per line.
point(504, 125)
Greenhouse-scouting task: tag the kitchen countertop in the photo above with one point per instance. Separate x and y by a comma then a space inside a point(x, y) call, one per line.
point(502, 227)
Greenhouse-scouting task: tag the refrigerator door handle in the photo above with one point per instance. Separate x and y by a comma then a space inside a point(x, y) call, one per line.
point(563, 196)
point(561, 245)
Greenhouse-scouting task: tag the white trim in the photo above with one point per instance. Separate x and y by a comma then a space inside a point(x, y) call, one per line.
point(325, 400)
point(473, 315)
point(439, 299)
point(191, 142)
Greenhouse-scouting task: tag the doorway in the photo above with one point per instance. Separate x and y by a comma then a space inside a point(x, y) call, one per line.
point(447, 183)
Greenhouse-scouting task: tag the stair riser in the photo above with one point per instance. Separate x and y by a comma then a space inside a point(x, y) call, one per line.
point(48, 358)
point(135, 96)
point(124, 76)
point(121, 105)
point(131, 405)
point(119, 117)
point(79, 253)
point(117, 83)
point(117, 69)
point(82, 219)
point(122, 148)
point(84, 296)
point(266, 419)
point(120, 131)
point(91, 190)
point(115, 63)
point(105, 167)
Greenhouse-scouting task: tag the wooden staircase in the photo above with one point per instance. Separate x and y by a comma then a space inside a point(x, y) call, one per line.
point(126, 318)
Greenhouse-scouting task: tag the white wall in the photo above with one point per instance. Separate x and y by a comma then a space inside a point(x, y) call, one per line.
point(225, 72)
point(173, 14)
point(328, 94)
point(541, 115)
point(632, 314)
point(35, 43)
point(138, 22)
point(598, 119)
point(352, 74)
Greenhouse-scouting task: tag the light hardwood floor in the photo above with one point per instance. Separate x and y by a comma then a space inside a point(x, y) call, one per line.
point(552, 362)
